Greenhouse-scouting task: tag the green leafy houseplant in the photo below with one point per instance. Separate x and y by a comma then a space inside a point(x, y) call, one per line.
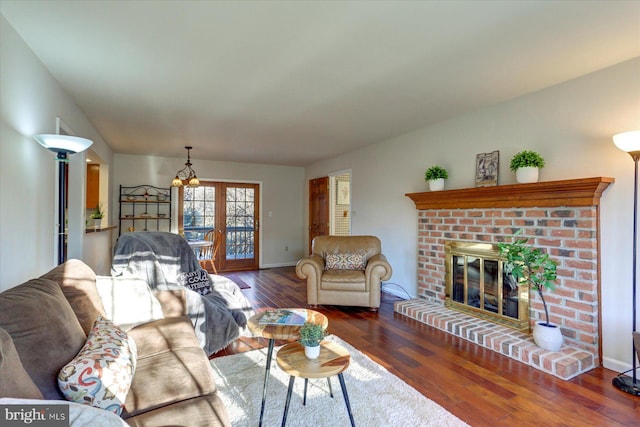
point(435, 172)
point(311, 334)
point(529, 265)
point(526, 158)
point(97, 212)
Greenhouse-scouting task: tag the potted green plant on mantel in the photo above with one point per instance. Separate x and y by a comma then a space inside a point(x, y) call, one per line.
point(97, 215)
point(526, 164)
point(531, 266)
point(435, 176)
point(311, 334)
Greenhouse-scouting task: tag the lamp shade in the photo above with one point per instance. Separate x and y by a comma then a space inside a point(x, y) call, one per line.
point(63, 143)
point(628, 141)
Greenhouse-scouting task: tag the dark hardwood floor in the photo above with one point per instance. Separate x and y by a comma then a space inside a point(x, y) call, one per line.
point(479, 386)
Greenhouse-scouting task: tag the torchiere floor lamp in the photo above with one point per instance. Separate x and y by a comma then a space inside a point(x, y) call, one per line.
point(62, 145)
point(630, 142)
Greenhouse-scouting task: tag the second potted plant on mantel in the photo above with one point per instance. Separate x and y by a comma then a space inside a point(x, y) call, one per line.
point(531, 266)
point(435, 176)
point(526, 164)
point(311, 334)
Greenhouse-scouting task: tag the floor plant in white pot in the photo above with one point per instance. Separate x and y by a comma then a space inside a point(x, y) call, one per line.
point(530, 266)
point(311, 334)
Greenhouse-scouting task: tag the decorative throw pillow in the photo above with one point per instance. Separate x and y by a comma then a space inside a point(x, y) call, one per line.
point(101, 374)
point(196, 281)
point(348, 261)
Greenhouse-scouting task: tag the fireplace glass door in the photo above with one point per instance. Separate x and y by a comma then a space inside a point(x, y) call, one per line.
point(477, 285)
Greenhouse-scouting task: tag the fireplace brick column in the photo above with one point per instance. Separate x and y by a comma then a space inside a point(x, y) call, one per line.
point(569, 235)
point(560, 217)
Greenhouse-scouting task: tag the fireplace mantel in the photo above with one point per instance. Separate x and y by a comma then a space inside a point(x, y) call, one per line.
point(572, 192)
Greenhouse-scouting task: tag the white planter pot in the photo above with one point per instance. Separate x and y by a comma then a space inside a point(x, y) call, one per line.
point(527, 174)
point(436, 184)
point(312, 352)
point(547, 337)
point(97, 222)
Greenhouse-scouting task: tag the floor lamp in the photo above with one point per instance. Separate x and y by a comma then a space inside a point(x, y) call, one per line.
point(62, 145)
point(630, 142)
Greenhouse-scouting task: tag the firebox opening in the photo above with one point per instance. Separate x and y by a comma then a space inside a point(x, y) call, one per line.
point(476, 284)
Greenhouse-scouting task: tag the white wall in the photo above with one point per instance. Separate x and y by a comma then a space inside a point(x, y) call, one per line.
point(570, 124)
point(281, 187)
point(30, 101)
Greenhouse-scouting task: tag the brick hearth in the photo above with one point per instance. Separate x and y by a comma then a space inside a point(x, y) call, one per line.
point(565, 364)
point(562, 218)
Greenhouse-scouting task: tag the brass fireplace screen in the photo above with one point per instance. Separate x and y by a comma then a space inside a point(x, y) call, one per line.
point(475, 284)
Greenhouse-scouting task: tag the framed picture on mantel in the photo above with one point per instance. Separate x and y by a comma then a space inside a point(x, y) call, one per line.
point(487, 169)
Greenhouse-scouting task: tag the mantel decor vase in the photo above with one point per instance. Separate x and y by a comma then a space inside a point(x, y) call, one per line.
point(547, 336)
point(527, 174)
point(312, 352)
point(436, 184)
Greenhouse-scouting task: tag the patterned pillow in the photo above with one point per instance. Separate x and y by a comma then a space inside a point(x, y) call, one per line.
point(348, 261)
point(100, 375)
point(196, 281)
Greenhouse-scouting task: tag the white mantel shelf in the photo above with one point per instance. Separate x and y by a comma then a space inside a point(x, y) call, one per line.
point(572, 192)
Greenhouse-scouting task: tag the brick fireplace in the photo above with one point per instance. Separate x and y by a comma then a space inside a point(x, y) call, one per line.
point(562, 218)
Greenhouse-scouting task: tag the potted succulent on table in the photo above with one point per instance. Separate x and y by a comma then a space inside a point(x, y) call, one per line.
point(526, 164)
point(310, 336)
point(435, 176)
point(531, 266)
point(97, 215)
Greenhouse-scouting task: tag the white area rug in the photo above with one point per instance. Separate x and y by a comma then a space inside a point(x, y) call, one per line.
point(378, 398)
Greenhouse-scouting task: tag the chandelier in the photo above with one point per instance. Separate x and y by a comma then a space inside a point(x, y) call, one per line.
point(186, 176)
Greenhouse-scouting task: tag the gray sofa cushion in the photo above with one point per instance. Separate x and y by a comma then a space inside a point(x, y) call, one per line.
point(15, 382)
point(44, 329)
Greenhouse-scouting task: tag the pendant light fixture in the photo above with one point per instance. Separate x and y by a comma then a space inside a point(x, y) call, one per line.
point(186, 176)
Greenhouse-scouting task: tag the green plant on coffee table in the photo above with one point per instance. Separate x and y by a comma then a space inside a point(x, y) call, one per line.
point(97, 212)
point(435, 172)
point(529, 265)
point(311, 334)
point(526, 158)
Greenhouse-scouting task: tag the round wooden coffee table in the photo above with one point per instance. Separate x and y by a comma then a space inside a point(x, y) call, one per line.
point(279, 332)
point(333, 360)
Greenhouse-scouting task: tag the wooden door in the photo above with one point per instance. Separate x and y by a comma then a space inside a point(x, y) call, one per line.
point(233, 209)
point(318, 208)
point(239, 208)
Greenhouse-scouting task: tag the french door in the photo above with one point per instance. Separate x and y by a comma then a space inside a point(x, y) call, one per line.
point(230, 207)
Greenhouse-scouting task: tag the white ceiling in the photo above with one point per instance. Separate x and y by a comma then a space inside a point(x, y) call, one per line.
point(289, 83)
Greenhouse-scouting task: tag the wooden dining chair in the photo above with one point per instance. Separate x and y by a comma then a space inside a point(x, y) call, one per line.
point(208, 254)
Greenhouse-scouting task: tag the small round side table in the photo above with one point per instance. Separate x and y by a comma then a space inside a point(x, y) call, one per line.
point(333, 360)
point(279, 332)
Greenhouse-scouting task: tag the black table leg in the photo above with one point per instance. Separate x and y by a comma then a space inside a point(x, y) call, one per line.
point(266, 380)
point(330, 389)
point(286, 405)
point(304, 399)
point(346, 398)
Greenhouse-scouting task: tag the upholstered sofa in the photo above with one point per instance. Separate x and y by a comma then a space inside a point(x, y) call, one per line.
point(344, 270)
point(45, 323)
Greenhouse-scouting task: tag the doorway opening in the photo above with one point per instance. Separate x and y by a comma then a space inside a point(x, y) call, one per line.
point(340, 206)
